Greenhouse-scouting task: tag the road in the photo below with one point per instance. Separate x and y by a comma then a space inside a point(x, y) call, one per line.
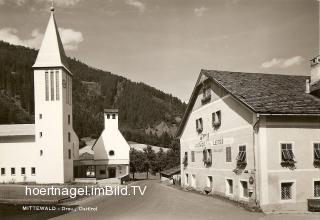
point(163, 202)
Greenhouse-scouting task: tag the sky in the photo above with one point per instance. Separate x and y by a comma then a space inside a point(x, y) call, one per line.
point(165, 43)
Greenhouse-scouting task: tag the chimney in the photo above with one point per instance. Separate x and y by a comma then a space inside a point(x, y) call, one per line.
point(111, 119)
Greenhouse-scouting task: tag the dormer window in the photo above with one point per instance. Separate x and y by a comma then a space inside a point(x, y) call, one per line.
point(206, 95)
point(199, 125)
point(216, 119)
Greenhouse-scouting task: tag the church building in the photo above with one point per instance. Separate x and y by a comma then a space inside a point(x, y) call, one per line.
point(44, 152)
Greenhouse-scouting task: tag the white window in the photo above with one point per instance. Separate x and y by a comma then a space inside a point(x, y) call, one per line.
point(229, 186)
point(13, 171)
point(199, 125)
point(242, 156)
point(187, 179)
point(192, 156)
point(47, 85)
point(244, 191)
point(209, 181)
point(3, 171)
point(33, 171)
point(316, 189)
point(52, 85)
point(23, 171)
point(193, 181)
point(57, 86)
point(207, 157)
point(287, 190)
point(316, 151)
point(286, 152)
point(216, 119)
point(40, 134)
point(228, 155)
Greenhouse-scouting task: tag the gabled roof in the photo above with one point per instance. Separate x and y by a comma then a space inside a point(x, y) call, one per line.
point(262, 93)
point(17, 130)
point(172, 171)
point(51, 53)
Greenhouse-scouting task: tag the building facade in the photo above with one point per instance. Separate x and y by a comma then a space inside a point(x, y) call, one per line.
point(44, 152)
point(110, 153)
point(254, 138)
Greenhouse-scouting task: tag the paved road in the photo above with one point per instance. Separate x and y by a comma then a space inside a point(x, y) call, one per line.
point(163, 202)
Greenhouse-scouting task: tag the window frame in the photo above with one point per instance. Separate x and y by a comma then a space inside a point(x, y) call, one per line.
point(314, 151)
point(13, 173)
point(293, 191)
point(227, 187)
point(33, 169)
point(4, 171)
point(210, 181)
point(199, 129)
point(193, 156)
point(313, 185)
point(241, 190)
point(228, 147)
point(244, 153)
point(23, 169)
point(280, 149)
point(214, 115)
point(186, 178)
point(194, 180)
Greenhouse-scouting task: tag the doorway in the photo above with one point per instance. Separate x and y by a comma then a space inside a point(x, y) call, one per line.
point(111, 172)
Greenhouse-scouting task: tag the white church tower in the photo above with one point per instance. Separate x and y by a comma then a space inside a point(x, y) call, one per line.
point(55, 139)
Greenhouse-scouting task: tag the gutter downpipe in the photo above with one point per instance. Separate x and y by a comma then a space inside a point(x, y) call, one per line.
point(254, 158)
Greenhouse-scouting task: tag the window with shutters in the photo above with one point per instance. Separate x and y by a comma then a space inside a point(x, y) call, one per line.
point(242, 157)
point(287, 155)
point(228, 155)
point(192, 156)
point(216, 119)
point(199, 125)
point(207, 157)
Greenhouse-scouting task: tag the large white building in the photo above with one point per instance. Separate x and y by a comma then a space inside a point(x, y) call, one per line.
point(44, 152)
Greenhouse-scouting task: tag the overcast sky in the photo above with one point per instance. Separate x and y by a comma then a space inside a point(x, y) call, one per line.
point(165, 43)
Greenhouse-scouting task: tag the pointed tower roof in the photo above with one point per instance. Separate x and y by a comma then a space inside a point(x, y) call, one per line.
point(51, 53)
